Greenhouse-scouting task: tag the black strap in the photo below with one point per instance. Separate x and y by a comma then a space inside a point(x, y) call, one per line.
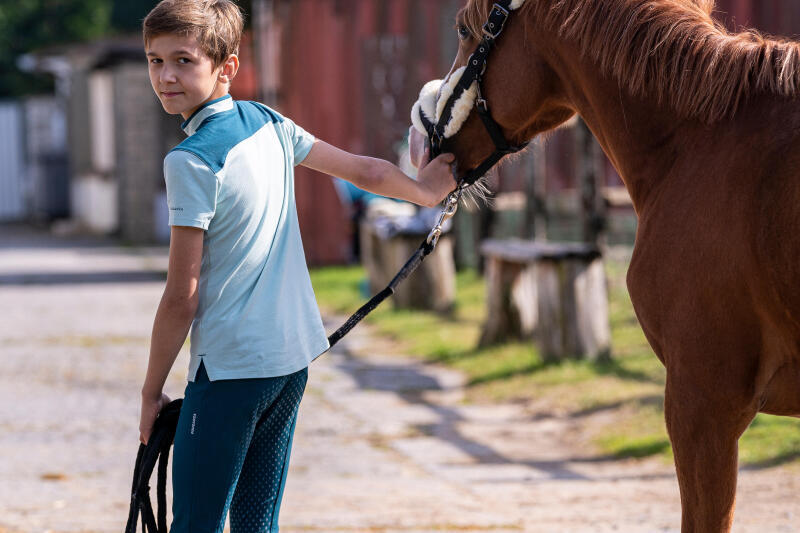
point(502, 148)
point(156, 451)
point(475, 66)
point(411, 265)
point(133, 514)
point(497, 19)
point(161, 488)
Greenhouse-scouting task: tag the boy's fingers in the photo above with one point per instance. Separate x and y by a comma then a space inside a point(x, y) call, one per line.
point(448, 158)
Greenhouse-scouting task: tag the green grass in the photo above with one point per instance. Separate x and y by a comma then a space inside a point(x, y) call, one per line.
point(629, 386)
point(770, 440)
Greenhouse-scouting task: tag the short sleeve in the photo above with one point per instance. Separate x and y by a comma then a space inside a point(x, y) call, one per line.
point(301, 140)
point(192, 190)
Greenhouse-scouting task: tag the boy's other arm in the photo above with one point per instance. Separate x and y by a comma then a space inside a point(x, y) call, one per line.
point(434, 183)
point(173, 319)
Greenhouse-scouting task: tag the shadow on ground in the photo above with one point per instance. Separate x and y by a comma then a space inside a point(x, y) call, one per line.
point(412, 385)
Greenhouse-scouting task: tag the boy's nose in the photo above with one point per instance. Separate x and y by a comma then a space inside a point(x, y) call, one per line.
point(167, 75)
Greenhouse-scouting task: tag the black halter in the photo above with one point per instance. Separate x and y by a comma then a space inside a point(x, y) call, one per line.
point(476, 67)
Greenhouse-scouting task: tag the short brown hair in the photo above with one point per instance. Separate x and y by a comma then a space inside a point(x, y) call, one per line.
point(216, 24)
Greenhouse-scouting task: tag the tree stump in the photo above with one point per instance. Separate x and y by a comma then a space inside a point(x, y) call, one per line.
point(431, 287)
point(553, 292)
point(511, 297)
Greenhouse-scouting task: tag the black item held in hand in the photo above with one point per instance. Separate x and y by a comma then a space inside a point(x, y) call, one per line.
point(156, 450)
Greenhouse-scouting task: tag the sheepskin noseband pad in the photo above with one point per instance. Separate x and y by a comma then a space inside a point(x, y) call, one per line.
point(435, 94)
point(433, 107)
point(426, 104)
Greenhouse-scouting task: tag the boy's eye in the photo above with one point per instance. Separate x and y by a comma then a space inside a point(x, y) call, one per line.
point(184, 60)
point(155, 61)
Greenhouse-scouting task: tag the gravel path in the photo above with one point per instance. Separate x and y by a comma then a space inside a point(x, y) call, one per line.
point(383, 444)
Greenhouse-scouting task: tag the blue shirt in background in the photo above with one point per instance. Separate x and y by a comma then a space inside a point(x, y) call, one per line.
point(234, 177)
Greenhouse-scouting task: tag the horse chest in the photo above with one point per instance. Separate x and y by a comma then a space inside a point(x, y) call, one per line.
point(684, 285)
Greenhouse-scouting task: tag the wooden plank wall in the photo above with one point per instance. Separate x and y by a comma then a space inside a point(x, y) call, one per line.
point(350, 72)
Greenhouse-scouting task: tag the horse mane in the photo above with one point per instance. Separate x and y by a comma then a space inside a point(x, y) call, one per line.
point(671, 49)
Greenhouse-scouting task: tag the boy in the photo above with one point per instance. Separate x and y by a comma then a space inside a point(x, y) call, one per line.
point(237, 272)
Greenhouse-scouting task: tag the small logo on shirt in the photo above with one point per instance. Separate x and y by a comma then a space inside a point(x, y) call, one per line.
point(176, 209)
point(194, 419)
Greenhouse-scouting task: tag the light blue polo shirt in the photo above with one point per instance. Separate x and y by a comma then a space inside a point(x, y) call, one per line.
point(234, 177)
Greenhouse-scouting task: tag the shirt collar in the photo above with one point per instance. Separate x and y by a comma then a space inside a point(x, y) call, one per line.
point(212, 107)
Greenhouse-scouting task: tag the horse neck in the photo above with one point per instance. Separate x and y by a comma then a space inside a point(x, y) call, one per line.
point(642, 137)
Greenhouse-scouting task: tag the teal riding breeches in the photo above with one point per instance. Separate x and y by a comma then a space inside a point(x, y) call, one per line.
point(232, 449)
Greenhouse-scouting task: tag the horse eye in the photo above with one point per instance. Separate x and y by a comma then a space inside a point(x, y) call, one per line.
point(463, 32)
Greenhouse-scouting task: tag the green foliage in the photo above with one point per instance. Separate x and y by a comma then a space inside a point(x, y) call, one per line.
point(29, 25)
point(34, 25)
point(127, 16)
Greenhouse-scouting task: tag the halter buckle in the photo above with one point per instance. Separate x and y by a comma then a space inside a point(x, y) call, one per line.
point(497, 20)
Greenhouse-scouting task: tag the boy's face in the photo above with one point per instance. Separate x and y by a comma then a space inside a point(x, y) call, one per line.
point(182, 75)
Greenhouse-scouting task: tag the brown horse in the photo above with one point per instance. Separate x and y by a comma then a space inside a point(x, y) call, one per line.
point(704, 128)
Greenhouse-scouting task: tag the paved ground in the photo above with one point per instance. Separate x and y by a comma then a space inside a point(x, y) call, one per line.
point(383, 445)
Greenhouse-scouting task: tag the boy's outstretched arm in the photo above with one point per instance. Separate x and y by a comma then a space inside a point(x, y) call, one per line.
point(434, 182)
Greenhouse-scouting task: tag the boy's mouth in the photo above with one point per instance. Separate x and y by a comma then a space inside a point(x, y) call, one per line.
point(170, 94)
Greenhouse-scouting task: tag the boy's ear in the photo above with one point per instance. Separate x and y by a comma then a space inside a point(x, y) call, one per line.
point(229, 69)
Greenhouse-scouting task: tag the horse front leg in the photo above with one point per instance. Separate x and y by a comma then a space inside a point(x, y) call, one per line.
point(705, 421)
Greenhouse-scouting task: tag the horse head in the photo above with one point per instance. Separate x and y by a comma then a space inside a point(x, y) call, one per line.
point(521, 92)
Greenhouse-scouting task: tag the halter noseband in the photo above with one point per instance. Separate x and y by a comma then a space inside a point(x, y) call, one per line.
point(475, 68)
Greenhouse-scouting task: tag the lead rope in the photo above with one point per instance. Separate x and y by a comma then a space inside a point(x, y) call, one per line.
point(424, 250)
point(155, 451)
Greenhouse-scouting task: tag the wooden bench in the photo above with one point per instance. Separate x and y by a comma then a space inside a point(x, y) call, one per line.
point(553, 292)
point(431, 287)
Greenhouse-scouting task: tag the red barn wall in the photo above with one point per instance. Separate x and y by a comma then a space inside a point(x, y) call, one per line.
point(349, 73)
point(777, 17)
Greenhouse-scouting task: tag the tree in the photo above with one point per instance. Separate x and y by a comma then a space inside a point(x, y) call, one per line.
point(127, 16)
point(29, 25)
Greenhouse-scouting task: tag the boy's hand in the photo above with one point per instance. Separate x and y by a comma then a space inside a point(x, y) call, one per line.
point(150, 409)
point(437, 176)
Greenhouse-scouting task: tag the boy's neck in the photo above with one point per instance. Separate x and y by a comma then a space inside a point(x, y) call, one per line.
point(220, 90)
